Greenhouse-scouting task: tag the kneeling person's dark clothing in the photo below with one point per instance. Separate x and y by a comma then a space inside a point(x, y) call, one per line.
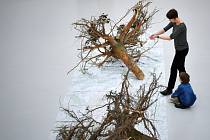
point(185, 95)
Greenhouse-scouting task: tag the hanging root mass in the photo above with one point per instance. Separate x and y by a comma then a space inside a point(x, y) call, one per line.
point(123, 112)
point(104, 41)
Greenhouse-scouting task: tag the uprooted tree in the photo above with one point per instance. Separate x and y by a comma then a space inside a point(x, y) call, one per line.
point(102, 39)
point(124, 111)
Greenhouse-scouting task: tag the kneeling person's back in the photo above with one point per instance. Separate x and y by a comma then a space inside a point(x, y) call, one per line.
point(184, 92)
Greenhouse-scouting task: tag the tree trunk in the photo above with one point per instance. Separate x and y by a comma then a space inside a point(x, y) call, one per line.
point(120, 53)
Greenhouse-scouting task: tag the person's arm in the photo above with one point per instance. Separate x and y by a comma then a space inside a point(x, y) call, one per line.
point(164, 37)
point(159, 32)
point(169, 26)
point(177, 92)
point(176, 33)
point(165, 29)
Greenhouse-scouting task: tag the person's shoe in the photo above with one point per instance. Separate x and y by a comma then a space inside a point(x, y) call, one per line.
point(181, 106)
point(166, 92)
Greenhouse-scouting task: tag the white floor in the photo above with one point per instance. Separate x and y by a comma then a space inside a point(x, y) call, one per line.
point(37, 49)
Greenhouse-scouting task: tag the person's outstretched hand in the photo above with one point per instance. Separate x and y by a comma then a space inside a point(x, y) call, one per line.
point(152, 37)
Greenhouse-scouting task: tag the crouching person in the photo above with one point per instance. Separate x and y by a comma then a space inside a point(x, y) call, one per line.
point(184, 96)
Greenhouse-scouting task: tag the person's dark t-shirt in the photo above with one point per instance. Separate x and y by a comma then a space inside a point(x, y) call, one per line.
point(179, 35)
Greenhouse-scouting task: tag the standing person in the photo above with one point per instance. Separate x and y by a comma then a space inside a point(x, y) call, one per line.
point(179, 35)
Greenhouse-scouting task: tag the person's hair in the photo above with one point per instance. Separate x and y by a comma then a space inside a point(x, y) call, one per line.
point(172, 14)
point(184, 77)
